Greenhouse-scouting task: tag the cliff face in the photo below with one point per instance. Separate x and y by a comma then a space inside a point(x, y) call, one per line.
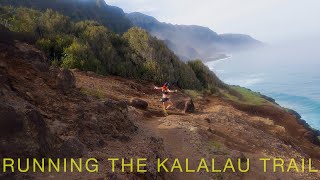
point(51, 112)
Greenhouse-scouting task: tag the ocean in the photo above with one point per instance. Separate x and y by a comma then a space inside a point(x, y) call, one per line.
point(289, 75)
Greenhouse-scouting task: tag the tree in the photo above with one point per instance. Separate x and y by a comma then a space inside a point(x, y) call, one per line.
point(98, 37)
point(79, 55)
point(54, 45)
point(159, 63)
point(51, 22)
point(207, 78)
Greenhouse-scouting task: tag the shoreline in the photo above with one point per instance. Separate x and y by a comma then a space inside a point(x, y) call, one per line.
point(214, 59)
point(272, 100)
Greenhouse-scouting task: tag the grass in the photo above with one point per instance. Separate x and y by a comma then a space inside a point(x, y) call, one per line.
point(92, 92)
point(247, 96)
point(193, 94)
point(263, 120)
point(218, 147)
point(215, 145)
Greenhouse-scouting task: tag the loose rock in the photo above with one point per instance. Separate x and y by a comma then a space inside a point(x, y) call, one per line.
point(138, 103)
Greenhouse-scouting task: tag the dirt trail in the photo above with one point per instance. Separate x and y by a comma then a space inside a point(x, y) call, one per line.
point(176, 143)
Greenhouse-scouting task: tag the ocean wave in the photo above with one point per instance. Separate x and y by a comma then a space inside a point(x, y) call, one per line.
point(247, 82)
point(308, 108)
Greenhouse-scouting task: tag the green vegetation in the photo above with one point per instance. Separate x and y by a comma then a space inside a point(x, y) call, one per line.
point(79, 10)
point(90, 46)
point(93, 92)
point(206, 77)
point(194, 94)
point(216, 145)
point(246, 96)
point(159, 62)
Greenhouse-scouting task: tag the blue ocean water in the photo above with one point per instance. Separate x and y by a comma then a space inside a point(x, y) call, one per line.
point(291, 77)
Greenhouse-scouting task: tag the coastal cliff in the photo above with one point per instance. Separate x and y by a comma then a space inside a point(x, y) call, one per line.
point(80, 85)
point(47, 111)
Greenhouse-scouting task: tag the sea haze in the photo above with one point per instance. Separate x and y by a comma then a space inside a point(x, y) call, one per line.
point(288, 72)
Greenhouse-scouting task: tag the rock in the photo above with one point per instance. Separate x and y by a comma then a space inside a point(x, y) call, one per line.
point(65, 80)
point(39, 128)
point(120, 105)
point(123, 104)
point(308, 135)
point(189, 106)
point(10, 121)
point(3, 79)
point(3, 65)
point(110, 103)
point(295, 113)
point(90, 73)
point(138, 103)
point(42, 67)
point(186, 105)
point(75, 70)
point(72, 147)
point(268, 99)
point(241, 156)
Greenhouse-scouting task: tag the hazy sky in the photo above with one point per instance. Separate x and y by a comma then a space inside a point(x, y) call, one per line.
point(266, 20)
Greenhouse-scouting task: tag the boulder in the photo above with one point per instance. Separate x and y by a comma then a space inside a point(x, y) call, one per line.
point(295, 113)
point(65, 80)
point(189, 107)
point(121, 105)
point(186, 105)
point(10, 121)
point(138, 103)
point(72, 147)
point(3, 79)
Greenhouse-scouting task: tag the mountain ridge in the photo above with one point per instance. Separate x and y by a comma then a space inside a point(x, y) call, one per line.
point(98, 10)
point(204, 40)
point(187, 41)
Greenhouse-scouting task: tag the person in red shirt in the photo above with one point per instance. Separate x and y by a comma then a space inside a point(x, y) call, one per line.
point(166, 102)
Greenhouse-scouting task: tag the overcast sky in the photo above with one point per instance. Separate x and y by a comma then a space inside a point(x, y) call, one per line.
point(266, 20)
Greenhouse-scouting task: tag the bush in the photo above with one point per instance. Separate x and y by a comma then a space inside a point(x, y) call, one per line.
point(158, 62)
point(206, 77)
point(79, 55)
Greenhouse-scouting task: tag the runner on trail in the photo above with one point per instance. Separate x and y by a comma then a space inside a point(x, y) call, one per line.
point(166, 102)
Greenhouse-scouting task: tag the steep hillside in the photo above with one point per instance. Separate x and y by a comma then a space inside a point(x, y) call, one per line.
point(51, 112)
point(79, 10)
point(90, 46)
point(43, 114)
point(203, 40)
